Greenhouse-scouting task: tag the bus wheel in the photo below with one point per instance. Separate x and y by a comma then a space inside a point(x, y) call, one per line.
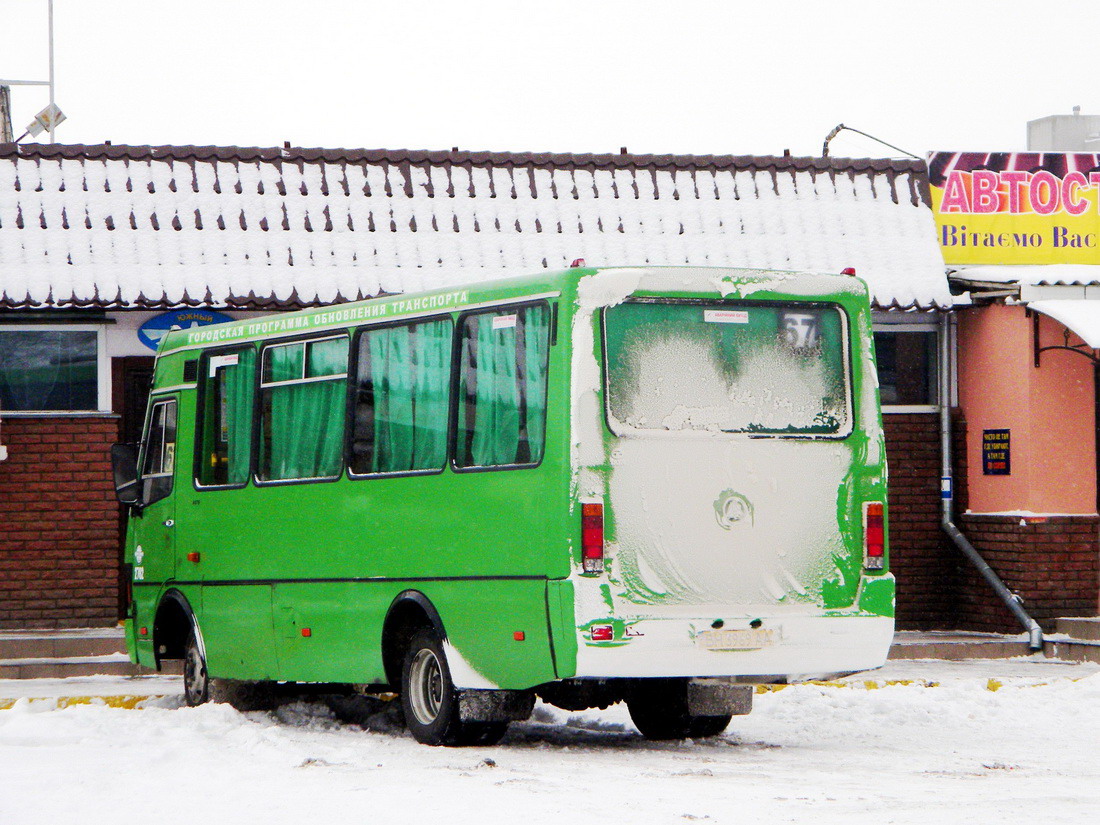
point(660, 711)
point(196, 684)
point(430, 702)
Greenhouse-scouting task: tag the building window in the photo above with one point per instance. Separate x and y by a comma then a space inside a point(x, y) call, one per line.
point(907, 365)
point(50, 369)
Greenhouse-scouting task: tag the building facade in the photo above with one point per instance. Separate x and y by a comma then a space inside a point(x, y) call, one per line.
point(99, 244)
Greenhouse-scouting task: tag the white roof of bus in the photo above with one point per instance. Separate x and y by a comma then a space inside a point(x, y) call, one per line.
point(121, 227)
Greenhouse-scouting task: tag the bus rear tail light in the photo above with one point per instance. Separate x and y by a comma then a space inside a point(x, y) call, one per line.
point(592, 537)
point(874, 535)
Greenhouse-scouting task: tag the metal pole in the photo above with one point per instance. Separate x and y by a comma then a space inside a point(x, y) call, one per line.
point(6, 134)
point(947, 523)
point(52, 140)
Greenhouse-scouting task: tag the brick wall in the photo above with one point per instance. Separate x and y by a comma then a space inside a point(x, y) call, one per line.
point(59, 535)
point(1053, 564)
point(926, 564)
point(59, 528)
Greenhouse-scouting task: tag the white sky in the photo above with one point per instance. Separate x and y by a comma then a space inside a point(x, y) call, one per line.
point(681, 76)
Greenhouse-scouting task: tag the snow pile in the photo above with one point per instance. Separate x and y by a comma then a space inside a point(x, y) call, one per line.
point(957, 753)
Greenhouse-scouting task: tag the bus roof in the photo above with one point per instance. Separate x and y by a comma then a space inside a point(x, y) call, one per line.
point(612, 288)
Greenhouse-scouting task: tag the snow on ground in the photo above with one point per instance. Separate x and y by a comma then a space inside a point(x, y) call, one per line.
point(1028, 751)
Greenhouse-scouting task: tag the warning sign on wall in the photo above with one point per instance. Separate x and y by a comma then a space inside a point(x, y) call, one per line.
point(996, 452)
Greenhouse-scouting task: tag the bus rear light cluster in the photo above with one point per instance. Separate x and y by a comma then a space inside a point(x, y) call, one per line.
point(592, 537)
point(874, 535)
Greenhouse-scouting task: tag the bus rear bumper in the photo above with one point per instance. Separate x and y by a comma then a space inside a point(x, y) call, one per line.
point(781, 646)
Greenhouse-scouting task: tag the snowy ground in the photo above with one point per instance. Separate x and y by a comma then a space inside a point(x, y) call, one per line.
point(1027, 751)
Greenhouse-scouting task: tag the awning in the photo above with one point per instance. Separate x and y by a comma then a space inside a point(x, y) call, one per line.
point(1083, 317)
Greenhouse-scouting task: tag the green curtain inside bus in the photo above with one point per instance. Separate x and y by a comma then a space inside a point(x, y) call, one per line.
point(402, 403)
point(227, 418)
point(303, 422)
point(238, 389)
point(502, 398)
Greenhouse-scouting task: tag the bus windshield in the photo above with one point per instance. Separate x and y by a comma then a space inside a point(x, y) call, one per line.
point(738, 368)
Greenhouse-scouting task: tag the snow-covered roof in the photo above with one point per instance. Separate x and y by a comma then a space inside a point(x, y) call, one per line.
point(1035, 275)
point(138, 226)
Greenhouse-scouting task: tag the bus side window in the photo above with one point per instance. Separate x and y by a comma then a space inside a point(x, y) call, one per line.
point(402, 393)
point(502, 387)
point(303, 401)
point(160, 452)
point(225, 440)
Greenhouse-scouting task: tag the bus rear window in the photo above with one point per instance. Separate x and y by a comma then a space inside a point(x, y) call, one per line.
point(744, 368)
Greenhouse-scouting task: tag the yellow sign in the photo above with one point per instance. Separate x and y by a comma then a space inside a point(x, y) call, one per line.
point(1016, 208)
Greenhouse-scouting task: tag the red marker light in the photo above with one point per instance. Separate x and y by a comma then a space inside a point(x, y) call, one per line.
point(307, 632)
point(519, 635)
point(603, 633)
point(874, 535)
point(143, 631)
point(194, 557)
point(592, 537)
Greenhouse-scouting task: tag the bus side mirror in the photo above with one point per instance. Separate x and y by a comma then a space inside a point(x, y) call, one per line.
point(124, 465)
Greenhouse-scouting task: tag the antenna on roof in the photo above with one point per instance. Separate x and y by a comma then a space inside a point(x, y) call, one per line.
point(840, 127)
point(50, 117)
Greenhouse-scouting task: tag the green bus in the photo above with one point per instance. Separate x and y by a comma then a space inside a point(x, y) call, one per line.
point(651, 485)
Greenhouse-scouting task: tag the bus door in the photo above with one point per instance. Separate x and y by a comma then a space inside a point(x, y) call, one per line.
point(154, 530)
point(224, 531)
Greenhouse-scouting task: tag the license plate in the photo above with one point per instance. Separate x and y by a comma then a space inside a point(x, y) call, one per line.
point(736, 639)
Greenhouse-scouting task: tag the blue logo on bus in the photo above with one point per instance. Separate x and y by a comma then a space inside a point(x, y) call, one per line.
point(156, 328)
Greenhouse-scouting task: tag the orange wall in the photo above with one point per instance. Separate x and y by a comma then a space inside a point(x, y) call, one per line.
point(1050, 411)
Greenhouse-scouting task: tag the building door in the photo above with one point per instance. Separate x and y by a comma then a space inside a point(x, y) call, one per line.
point(132, 377)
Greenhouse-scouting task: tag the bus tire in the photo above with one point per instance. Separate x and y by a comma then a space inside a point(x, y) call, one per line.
point(196, 682)
point(659, 710)
point(429, 699)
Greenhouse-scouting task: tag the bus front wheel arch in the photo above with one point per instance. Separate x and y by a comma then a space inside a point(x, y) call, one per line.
point(172, 627)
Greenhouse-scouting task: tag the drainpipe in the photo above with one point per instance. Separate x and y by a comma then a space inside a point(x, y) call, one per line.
point(1013, 602)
